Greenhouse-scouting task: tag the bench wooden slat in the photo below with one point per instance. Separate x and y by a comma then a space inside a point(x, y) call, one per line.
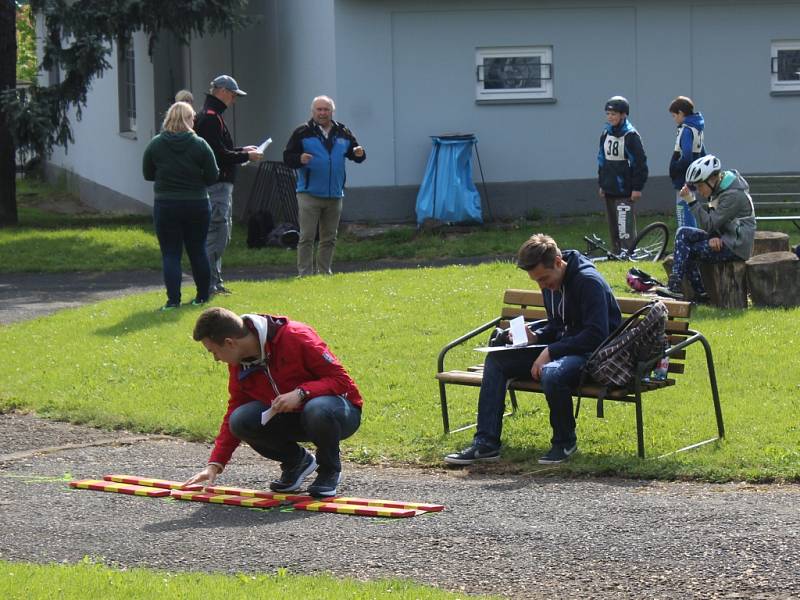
point(534, 299)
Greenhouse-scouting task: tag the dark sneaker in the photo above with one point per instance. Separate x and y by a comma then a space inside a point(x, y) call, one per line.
point(665, 292)
point(170, 306)
point(472, 455)
point(292, 477)
point(558, 454)
point(199, 301)
point(324, 485)
point(221, 289)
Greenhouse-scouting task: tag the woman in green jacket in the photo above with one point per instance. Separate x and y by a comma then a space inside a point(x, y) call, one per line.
point(182, 165)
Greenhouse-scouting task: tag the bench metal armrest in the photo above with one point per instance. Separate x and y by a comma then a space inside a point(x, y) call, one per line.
point(462, 339)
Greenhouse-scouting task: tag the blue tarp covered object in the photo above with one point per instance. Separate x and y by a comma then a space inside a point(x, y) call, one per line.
point(447, 192)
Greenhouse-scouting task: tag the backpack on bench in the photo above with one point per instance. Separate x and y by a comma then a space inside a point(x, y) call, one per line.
point(641, 338)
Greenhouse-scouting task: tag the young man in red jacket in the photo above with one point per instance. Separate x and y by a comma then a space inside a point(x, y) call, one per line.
point(285, 387)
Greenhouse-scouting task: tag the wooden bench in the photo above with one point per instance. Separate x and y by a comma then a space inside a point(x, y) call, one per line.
point(772, 201)
point(529, 304)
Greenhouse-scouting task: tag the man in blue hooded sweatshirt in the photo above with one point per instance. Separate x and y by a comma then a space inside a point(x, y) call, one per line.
point(689, 146)
point(581, 312)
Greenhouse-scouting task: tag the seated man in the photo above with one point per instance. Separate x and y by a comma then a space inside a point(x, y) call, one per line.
point(726, 225)
point(581, 313)
point(283, 365)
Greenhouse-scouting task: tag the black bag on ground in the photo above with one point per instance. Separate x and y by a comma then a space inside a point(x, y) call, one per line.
point(259, 226)
point(284, 235)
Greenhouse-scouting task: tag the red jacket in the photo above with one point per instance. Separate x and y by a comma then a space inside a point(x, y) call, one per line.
point(295, 357)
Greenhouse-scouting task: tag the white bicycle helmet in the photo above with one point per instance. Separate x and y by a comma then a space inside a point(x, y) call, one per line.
point(703, 168)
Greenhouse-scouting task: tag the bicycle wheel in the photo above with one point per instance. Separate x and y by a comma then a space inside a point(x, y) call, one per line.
point(650, 244)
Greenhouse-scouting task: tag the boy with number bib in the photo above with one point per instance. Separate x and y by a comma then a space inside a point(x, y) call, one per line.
point(621, 172)
point(689, 146)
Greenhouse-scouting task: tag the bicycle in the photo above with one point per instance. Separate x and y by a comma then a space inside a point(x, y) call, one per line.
point(649, 245)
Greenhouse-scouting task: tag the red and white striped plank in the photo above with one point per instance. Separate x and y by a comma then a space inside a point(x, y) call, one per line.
point(225, 499)
point(100, 485)
point(150, 482)
point(388, 503)
point(282, 496)
point(355, 509)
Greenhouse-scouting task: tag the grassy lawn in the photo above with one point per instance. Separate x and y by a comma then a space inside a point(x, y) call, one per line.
point(50, 242)
point(19, 581)
point(120, 363)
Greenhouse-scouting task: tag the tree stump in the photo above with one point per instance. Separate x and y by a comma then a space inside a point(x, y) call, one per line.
point(726, 283)
point(774, 279)
point(770, 241)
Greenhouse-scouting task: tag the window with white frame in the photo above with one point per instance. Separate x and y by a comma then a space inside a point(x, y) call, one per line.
point(785, 66)
point(523, 73)
point(127, 85)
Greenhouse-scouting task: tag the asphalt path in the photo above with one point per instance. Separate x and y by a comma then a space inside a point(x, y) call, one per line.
point(520, 535)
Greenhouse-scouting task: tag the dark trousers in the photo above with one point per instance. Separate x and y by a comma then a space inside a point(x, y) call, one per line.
point(559, 378)
point(621, 222)
point(692, 249)
point(179, 224)
point(325, 421)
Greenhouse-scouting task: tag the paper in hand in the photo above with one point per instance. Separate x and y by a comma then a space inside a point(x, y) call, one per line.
point(519, 333)
point(263, 147)
point(267, 415)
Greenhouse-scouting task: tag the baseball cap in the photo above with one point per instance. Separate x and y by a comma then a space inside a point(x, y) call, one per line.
point(229, 83)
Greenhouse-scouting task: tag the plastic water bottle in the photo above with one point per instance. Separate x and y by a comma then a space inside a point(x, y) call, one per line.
point(661, 370)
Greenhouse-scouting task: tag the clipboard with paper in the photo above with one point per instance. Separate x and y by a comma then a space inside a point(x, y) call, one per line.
point(519, 334)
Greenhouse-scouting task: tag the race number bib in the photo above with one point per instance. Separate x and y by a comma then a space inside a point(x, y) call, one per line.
point(614, 148)
point(697, 139)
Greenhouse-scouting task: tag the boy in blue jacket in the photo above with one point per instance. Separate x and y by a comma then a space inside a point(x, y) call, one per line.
point(621, 172)
point(689, 146)
point(581, 312)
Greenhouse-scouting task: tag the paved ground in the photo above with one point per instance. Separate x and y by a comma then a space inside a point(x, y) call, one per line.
point(522, 536)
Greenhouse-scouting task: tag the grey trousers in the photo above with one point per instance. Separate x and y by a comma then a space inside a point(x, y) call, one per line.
point(313, 211)
point(621, 222)
point(219, 228)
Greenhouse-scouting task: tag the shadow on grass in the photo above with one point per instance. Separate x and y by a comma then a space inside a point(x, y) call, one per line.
point(141, 320)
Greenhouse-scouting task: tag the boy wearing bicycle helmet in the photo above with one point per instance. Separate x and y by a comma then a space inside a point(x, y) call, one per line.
point(726, 224)
point(689, 146)
point(621, 172)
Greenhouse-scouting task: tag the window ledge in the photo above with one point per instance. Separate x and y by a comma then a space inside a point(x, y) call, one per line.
point(515, 101)
point(129, 135)
point(785, 93)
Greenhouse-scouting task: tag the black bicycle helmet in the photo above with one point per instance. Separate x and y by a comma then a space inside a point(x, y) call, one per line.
point(618, 104)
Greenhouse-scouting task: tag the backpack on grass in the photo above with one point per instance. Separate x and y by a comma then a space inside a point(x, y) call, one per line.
point(640, 338)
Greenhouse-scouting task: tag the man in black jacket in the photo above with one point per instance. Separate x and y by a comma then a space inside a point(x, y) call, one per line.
point(581, 312)
point(211, 126)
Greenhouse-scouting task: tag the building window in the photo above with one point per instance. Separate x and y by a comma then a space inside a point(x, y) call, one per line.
point(127, 86)
point(514, 74)
point(785, 66)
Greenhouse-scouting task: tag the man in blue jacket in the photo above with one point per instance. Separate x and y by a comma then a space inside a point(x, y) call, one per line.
point(581, 313)
point(317, 150)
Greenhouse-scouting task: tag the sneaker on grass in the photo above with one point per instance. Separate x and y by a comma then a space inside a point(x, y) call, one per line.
point(170, 306)
point(324, 485)
point(665, 292)
point(558, 454)
point(221, 289)
point(472, 455)
point(292, 477)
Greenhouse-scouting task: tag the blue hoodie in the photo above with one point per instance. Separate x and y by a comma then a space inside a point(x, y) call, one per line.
point(621, 161)
point(689, 146)
point(582, 313)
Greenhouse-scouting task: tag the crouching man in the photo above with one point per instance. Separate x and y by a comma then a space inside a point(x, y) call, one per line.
point(282, 365)
point(581, 313)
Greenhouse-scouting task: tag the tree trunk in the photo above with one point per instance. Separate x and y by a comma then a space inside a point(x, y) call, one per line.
point(726, 283)
point(774, 279)
point(770, 241)
point(8, 80)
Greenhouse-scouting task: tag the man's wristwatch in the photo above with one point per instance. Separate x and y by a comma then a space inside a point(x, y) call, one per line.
point(302, 393)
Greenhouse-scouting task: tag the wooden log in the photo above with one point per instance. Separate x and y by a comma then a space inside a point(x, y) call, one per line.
point(774, 279)
point(726, 283)
point(770, 241)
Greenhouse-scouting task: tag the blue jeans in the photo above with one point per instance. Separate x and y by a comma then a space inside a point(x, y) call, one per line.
point(325, 421)
point(180, 223)
point(559, 378)
point(692, 248)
